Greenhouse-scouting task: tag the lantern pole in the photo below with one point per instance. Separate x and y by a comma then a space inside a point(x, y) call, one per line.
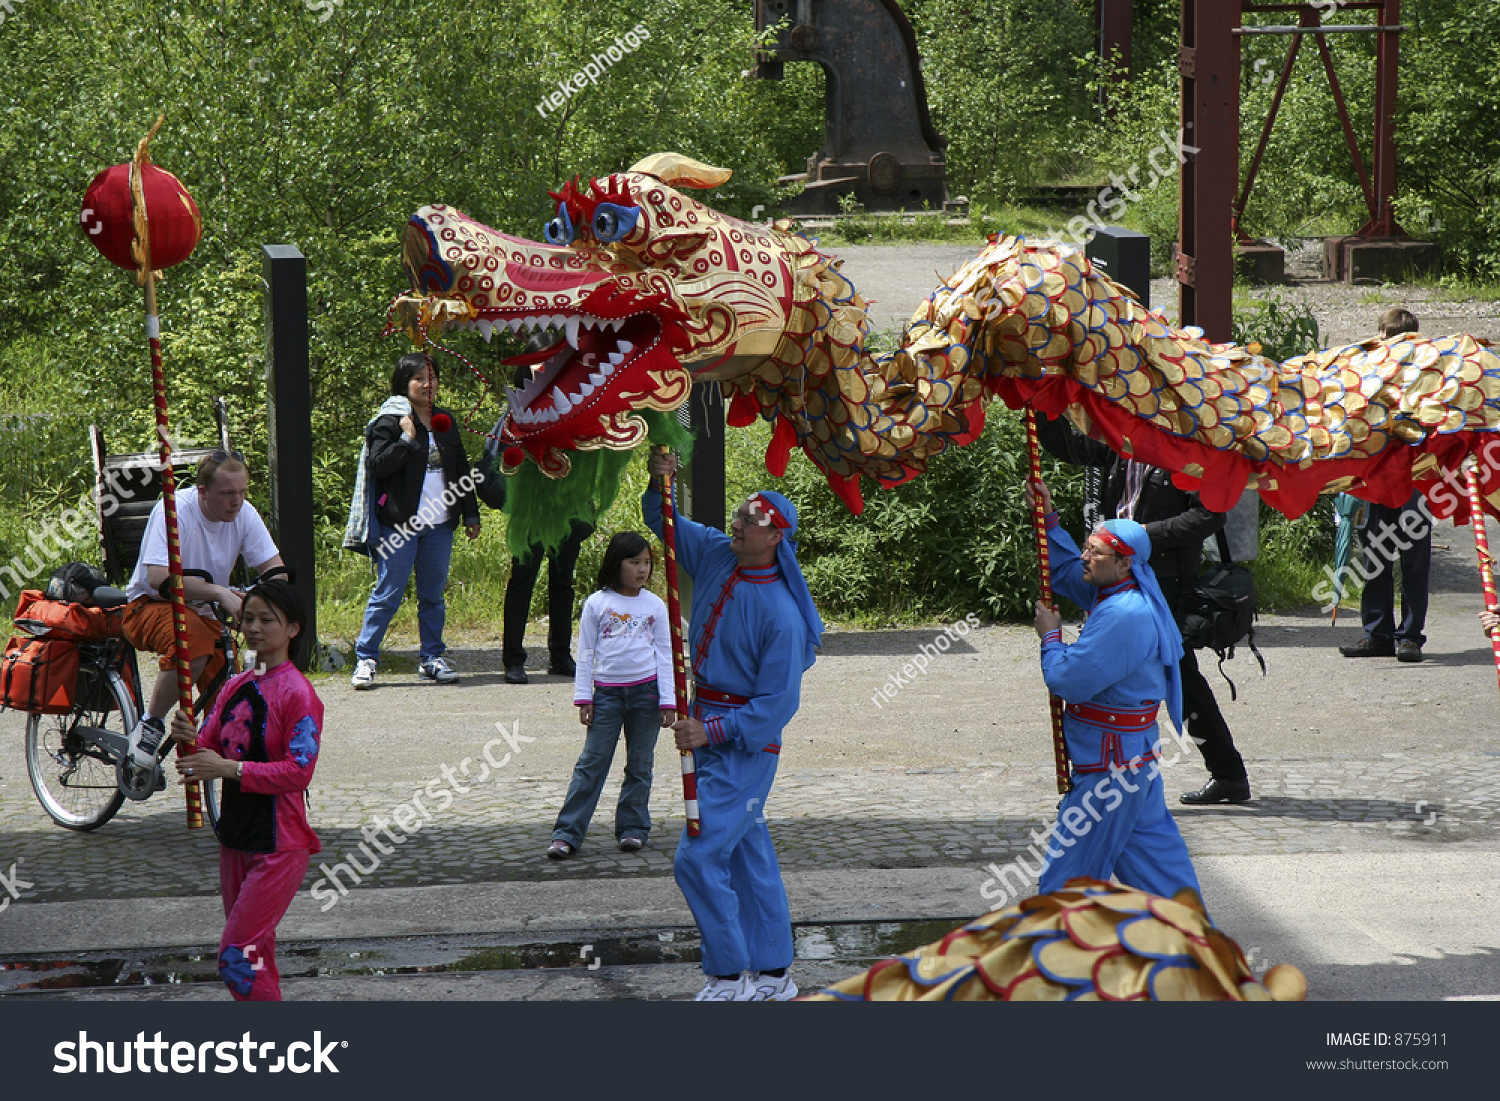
point(679, 659)
point(1044, 576)
point(1482, 546)
point(147, 278)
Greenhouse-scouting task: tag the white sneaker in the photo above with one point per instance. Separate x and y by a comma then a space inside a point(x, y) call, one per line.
point(364, 673)
point(145, 740)
point(438, 670)
point(769, 988)
point(725, 990)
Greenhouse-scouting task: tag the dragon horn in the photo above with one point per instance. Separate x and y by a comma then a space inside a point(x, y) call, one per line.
point(676, 170)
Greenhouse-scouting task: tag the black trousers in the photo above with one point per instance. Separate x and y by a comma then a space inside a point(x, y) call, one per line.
point(522, 583)
point(1377, 605)
point(1205, 723)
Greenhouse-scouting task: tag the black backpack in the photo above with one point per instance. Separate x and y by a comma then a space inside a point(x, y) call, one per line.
point(75, 583)
point(1220, 612)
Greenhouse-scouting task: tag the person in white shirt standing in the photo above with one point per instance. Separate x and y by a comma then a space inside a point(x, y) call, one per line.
point(624, 679)
point(215, 526)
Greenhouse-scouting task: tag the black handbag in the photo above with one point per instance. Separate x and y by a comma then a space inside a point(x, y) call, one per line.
point(491, 487)
point(1220, 612)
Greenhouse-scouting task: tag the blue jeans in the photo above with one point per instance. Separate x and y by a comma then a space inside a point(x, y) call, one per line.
point(428, 552)
point(637, 708)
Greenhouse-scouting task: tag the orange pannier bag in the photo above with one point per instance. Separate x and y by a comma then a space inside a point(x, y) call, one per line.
point(39, 670)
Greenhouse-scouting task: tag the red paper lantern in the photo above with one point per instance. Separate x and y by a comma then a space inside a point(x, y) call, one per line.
point(108, 220)
point(441, 422)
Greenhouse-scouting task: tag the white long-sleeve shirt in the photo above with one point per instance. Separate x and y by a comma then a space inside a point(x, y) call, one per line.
point(624, 640)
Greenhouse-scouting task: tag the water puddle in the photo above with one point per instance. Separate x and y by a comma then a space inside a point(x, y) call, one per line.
point(857, 943)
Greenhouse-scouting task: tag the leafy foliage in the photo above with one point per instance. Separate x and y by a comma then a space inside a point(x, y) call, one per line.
point(956, 540)
point(1006, 86)
point(1282, 329)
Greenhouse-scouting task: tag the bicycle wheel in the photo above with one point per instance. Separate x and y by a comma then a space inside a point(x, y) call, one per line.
point(74, 780)
point(211, 803)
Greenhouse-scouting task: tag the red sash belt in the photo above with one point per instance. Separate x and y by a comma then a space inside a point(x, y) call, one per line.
point(1114, 718)
point(705, 694)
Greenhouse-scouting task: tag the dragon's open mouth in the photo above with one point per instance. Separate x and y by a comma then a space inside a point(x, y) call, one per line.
point(577, 373)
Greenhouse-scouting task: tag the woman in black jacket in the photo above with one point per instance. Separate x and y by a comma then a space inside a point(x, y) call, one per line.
point(422, 488)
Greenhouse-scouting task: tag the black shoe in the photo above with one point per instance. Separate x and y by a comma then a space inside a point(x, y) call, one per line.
point(1369, 648)
point(516, 674)
point(1407, 650)
point(563, 667)
point(1218, 791)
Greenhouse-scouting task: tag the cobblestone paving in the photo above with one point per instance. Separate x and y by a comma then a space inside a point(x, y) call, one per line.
point(965, 815)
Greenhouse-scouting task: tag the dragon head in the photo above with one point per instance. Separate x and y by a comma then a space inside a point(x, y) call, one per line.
point(648, 288)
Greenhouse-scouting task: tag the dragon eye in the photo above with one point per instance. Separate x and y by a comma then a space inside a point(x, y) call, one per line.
point(560, 231)
point(612, 222)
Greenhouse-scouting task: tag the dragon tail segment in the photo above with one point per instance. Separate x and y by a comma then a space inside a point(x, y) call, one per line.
point(1062, 337)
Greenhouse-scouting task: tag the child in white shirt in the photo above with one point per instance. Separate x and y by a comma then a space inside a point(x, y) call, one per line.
point(624, 679)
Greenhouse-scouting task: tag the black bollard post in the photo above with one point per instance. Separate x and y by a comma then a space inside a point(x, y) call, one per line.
point(1125, 256)
point(289, 417)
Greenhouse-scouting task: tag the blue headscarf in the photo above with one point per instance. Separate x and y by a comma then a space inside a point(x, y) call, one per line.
point(791, 572)
point(1168, 637)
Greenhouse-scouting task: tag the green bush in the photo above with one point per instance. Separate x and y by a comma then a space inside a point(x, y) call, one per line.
point(957, 539)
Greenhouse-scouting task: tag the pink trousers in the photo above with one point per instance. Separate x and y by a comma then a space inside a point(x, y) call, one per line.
point(257, 889)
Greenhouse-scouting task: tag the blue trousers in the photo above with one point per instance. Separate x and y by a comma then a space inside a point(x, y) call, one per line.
point(637, 708)
point(729, 873)
point(427, 553)
point(1104, 828)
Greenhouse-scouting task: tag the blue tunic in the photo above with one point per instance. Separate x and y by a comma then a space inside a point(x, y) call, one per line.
point(1115, 820)
point(747, 639)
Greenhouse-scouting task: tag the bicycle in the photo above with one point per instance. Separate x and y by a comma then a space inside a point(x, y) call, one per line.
point(79, 762)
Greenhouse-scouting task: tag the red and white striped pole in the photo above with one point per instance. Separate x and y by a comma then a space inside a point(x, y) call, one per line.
point(679, 661)
point(148, 277)
point(1044, 569)
point(1482, 545)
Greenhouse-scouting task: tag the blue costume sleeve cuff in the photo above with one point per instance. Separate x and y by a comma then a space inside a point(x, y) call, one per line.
point(714, 728)
point(1052, 636)
point(1052, 519)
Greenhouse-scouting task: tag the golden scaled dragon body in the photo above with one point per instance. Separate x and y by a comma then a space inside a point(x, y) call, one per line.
point(1089, 941)
point(650, 290)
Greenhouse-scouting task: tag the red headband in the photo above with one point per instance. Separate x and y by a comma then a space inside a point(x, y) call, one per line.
point(778, 521)
point(1113, 541)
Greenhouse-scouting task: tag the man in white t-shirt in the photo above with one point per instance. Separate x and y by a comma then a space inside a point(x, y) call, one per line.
point(215, 526)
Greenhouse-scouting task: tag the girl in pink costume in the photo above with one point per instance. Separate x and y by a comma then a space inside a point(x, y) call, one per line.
point(262, 741)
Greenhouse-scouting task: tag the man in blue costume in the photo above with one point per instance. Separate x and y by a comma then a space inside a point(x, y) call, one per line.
point(753, 631)
point(1114, 679)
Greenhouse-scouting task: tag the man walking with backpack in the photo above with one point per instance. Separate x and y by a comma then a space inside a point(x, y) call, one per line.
point(1177, 523)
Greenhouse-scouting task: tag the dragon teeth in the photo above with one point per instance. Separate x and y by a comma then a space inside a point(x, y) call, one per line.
point(616, 358)
point(624, 346)
point(597, 379)
point(486, 330)
point(583, 391)
point(572, 330)
point(616, 322)
point(561, 402)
